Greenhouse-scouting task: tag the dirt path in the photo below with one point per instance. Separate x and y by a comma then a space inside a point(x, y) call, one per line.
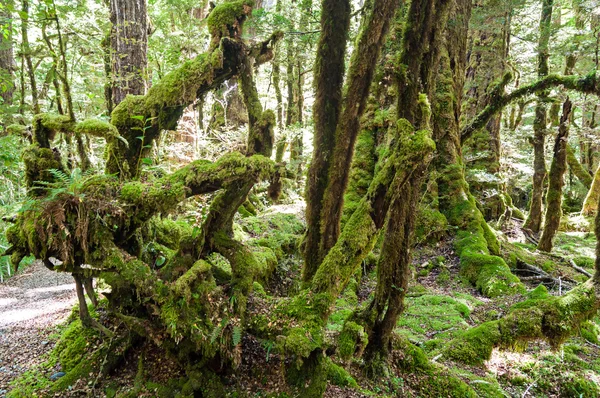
point(31, 305)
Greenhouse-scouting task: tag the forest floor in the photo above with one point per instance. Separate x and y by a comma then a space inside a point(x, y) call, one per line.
point(32, 304)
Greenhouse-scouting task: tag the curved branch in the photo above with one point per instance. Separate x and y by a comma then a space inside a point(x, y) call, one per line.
point(197, 178)
point(584, 84)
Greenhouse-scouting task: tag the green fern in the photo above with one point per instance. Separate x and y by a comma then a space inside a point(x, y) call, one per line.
point(72, 184)
point(236, 335)
point(218, 330)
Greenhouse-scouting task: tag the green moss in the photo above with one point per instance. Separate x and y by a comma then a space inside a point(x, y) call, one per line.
point(431, 225)
point(579, 387)
point(475, 345)
point(47, 125)
point(227, 16)
point(99, 128)
point(72, 346)
point(590, 332)
point(352, 339)
point(428, 379)
point(361, 173)
point(338, 376)
point(441, 316)
point(17, 129)
point(553, 319)
point(488, 273)
point(540, 292)
point(38, 161)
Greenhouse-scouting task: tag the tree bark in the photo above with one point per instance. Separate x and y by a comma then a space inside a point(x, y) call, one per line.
point(7, 61)
point(556, 181)
point(129, 41)
point(329, 78)
point(534, 220)
point(486, 64)
point(26, 51)
point(328, 176)
point(419, 71)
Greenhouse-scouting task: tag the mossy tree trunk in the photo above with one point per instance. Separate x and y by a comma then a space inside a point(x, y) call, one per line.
point(590, 204)
point(329, 78)
point(26, 51)
point(277, 78)
point(556, 181)
point(360, 75)
point(487, 53)
point(534, 219)
point(475, 243)
point(582, 174)
point(129, 42)
point(7, 61)
point(419, 57)
point(328, 175)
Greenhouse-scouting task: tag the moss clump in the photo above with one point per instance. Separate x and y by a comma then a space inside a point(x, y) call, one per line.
point(338, 376)
point(476, 344)
point(590, 332)
point(47, 125)
point(38, 163)
point(430, 314)
point(99, 128)
point(352, 340)
point(72, 346)
point(17, 129)
point(226, 19)
point(431, 225)
point(430, 379)
point(488, 273)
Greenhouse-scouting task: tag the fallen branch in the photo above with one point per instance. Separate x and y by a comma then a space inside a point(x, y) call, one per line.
point(579, 269)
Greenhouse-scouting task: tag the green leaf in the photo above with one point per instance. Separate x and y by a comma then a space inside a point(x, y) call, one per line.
point(160, 261)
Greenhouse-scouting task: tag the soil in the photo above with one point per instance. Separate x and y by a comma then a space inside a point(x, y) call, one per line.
point(32, 304)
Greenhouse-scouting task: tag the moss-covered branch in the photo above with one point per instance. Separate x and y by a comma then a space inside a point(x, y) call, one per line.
point(498, 100)
point(160, 109)
point(197, 178)
point(542, 317)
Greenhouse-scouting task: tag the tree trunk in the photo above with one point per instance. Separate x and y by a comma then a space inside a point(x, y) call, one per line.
point(129, 41)
point(534, 220)
point(486, 64)
point(556, 181)
point(590, 204)
point(328, 175)
point(7, 63)
point(329, 78)
point(475, 243)
point(577, 168)
point(290, 116)
point(393, 269)
point(26, 51)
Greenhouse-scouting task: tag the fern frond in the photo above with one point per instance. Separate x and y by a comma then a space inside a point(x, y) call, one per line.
point(236, 335)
